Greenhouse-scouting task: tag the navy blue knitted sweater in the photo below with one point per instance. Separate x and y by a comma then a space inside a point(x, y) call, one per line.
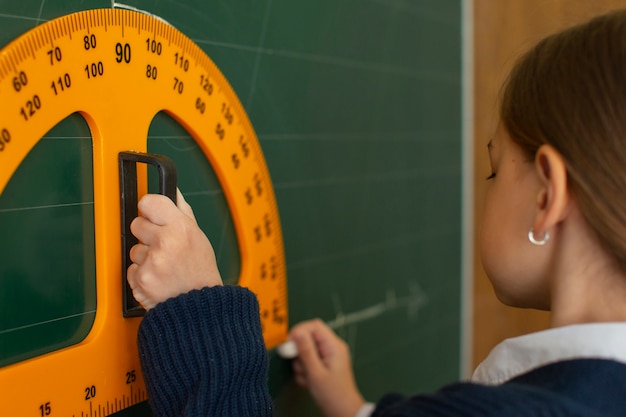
point(202, 354)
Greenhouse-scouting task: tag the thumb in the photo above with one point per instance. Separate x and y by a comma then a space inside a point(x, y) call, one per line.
point(183, 206)
point(308, 353)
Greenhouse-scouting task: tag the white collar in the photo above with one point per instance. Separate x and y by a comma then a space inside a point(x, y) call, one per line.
point(519, 355)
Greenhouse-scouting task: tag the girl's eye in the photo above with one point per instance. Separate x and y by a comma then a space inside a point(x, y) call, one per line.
point(492, 176)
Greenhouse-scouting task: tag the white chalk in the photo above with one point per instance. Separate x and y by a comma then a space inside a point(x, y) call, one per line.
point(287, 350)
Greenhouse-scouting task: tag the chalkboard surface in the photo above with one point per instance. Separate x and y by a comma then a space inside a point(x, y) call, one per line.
point(357, 106)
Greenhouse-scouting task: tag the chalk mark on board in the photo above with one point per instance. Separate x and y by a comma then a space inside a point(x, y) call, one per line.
point(116, 5)
point(40, 11)
point(27, 326)
point(257, 60)
point(346, 323)
point(413, 302)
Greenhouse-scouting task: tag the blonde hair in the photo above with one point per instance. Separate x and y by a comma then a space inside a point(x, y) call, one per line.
point(569, 91)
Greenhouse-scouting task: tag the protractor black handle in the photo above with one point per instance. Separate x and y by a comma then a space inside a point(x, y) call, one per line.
point(129, 199)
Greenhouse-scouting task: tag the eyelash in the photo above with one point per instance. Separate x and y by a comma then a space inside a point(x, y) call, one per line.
point(492, 176)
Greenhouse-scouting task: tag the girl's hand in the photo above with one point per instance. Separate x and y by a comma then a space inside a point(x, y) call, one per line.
point(323, 366)
point(173, 255)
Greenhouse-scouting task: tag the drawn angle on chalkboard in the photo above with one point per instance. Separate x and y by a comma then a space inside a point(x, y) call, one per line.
point(413, 302)
point(345, 324)
point(75, 64)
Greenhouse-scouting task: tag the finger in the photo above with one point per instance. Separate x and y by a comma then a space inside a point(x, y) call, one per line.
point(296, 365)
point(321, 333)
point(327, 344)
point(308, 354)
point(135, 276)
point(299, 373)
point(305, 326)
point(157, 208)
point(142, 299)
point(326, 340)
point(144, 230)
point(301, 381)
point(183, 206)
point(138, 253)
point(131, 276)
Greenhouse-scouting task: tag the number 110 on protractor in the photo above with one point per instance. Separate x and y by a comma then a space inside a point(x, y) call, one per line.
point(118, 69)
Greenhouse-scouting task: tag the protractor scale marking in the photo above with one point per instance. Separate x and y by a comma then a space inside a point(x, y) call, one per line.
point(118, 69)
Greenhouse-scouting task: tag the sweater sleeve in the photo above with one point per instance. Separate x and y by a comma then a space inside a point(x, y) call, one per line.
point(202, 353)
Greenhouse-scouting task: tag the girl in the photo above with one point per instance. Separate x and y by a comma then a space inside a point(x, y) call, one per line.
point(553, 237)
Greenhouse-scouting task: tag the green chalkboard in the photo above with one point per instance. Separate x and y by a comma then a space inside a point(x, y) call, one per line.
point(357, 106)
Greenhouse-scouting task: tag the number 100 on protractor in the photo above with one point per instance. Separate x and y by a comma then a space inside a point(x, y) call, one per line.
point(118, 69)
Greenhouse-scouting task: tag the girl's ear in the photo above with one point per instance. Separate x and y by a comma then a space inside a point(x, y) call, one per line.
point(553, 196)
